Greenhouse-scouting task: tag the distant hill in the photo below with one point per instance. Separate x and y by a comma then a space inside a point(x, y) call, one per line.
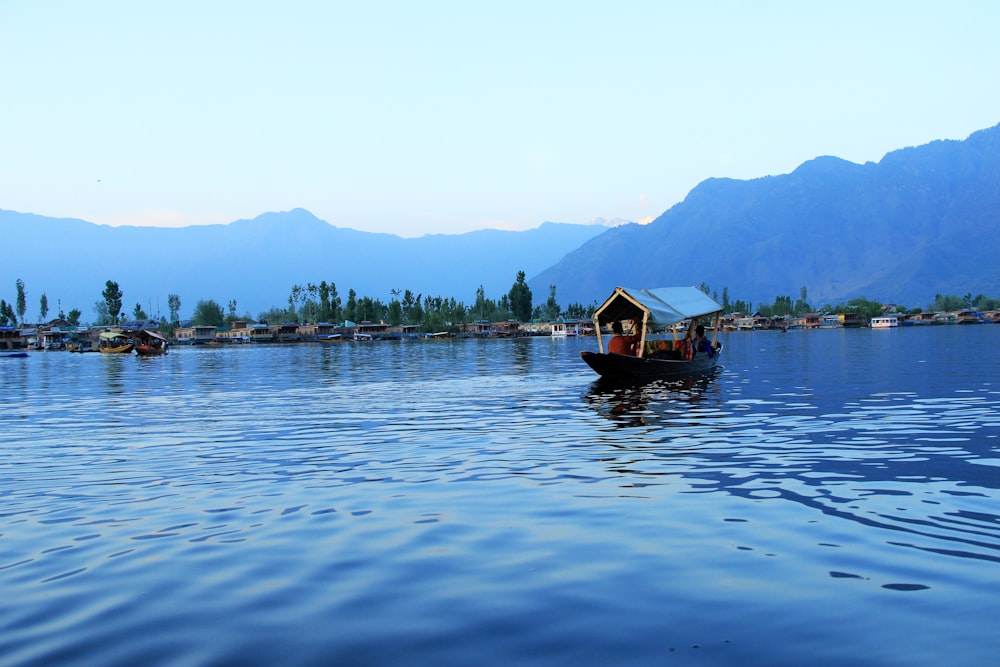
point(257, 261)
point(922, 221)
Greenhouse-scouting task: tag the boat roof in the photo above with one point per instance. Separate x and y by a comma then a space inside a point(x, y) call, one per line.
point(112, 334)
point(151, 334)
point(662, 306)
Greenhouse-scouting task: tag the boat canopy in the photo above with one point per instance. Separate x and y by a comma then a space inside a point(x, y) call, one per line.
point(111, 335)
point(151, 334)
point(658, 307)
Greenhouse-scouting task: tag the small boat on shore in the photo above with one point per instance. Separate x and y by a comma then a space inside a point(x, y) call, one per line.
point(149, 344)
point(658, 315)
point(114, 342)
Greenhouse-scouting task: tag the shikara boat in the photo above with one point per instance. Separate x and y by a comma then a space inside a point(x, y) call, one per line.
point(114, 342)
point(663, 320)
point(149, 344)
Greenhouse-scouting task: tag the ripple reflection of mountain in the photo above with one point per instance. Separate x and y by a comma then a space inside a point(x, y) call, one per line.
point(660, 402)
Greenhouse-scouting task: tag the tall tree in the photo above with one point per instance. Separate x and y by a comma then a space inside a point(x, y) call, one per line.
point(137, 312)
point(22, 303)
point(551, 305)
point(74, 317)
point(113, 297)
point(351, 307)
point(174, 304)
point(335, 310)
point(520, 298)
point(43, 306)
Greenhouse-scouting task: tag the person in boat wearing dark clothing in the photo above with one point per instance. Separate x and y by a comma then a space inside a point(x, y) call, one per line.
point(701, 344)
point(620, 343)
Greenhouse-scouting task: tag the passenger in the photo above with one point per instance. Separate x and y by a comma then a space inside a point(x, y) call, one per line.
point(620, 343)
point(701, 344)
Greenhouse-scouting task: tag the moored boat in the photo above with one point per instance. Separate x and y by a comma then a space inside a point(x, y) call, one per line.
point(114, 342)
point(658, 315)
point(886, 322)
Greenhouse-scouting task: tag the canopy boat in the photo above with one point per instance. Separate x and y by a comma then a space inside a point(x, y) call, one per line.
point(659, 316)
point(114, 342)
point(149, 344)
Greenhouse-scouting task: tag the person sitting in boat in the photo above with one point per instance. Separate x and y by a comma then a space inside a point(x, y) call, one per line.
point(620, 343)
point(701, 344)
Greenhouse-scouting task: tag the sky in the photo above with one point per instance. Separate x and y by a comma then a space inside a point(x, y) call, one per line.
point(425, 117)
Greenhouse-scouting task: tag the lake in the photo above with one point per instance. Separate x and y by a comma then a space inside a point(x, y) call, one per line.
point(825, 498)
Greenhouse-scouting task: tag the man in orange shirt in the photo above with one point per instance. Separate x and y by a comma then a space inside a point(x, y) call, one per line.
point(620, 343)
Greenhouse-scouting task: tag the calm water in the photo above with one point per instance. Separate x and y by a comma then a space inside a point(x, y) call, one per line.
point(828, 497)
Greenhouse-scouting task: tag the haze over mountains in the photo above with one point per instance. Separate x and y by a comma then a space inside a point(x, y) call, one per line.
point(920, 222)
point(256, 262)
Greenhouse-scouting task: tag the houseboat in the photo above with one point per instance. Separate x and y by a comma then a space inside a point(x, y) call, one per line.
point(884, 322)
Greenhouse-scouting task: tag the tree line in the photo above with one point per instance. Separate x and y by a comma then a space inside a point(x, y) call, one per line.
point(322, 303)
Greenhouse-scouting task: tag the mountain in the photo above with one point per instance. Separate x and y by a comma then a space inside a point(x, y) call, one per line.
point(923, 221)
point(256, 262)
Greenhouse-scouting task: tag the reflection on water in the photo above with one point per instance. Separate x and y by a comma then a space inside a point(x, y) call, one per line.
point(457, 502)
point(644, 403)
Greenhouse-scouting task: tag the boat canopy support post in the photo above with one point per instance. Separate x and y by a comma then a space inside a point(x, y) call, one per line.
point(642, 336)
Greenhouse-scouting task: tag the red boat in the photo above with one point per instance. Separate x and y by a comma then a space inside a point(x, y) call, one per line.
point(149, 344)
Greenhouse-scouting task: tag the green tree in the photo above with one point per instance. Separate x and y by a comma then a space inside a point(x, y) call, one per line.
point(982, 302)
point(802, 305)
point(552, 308)
point(395, 313)
point(103, 316)
point(113, 298)
point(520, 298)
point(335, 310)
point(7, 315)
point(74, 317)
point(43, 306)
point(174, 304)
point(949, 302)
point(138, 313)
point(351, 308)
point(208, 313)
point(324, 302)
point(22, 303)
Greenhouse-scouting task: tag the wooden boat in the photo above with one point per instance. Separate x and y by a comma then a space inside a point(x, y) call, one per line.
point(13, 355)
point(149, 344)
point(659, 315)
point(114, 342)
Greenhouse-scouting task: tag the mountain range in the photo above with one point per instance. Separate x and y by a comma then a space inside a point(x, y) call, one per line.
point(920, 222)
point(256, 262)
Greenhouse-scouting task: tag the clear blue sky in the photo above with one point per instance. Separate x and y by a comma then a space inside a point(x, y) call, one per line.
point(445, 117)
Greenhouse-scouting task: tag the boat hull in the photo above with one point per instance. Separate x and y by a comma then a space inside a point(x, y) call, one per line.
point(624, 366)
point(147, 351)
point(121, 349)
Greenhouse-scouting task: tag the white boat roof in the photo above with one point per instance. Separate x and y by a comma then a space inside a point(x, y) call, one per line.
point(662, 306)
